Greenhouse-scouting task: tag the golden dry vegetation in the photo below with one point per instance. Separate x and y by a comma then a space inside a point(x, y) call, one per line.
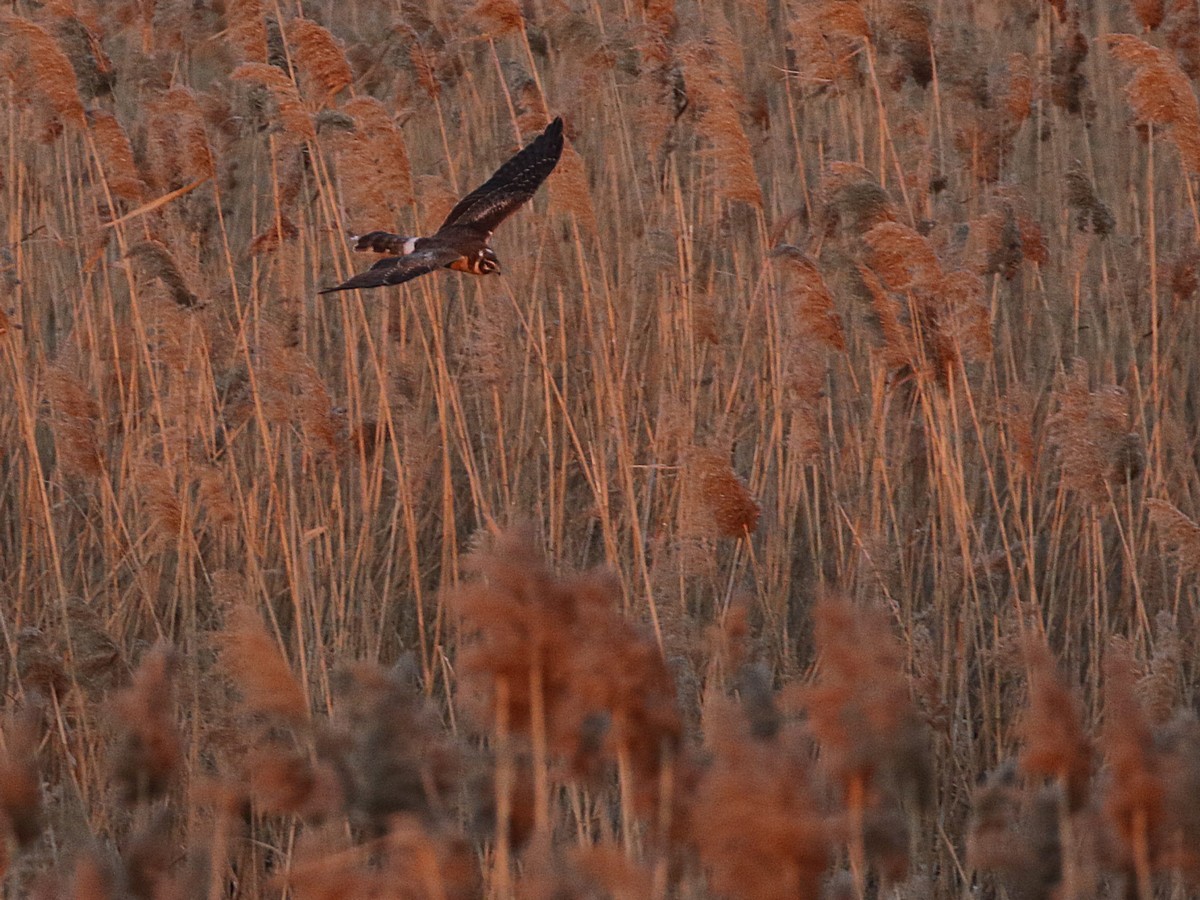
point(808, 511)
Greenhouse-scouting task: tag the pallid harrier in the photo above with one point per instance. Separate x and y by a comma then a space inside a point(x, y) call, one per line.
point(462, 241)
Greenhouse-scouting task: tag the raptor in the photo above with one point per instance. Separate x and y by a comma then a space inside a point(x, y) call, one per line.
point(462, 243)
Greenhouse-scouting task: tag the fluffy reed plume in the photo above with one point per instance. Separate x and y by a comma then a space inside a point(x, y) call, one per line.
point(116, 156)
point(156, 261)
point(1055, 744)
point(1018, 94)
point(321, 425)
point(808, 291)
point(389, 750)
point(319, 58)
point(177, 146)
point(1068, 83)
point(999, 107)
point(1159, 689)
point(1177, 533)
point(553, 658)
point(160, 504)
point(293, 118)
point(80, 41)
point(486, 353)
point(40, 69)
point(96, 658)
point(1090, 429)
point(1092, 214)
point(149, 856)
point(1014, 833)
point(1161, 94)
point(282, 231)
point(40, 667)
point(899, 352)
point(713, 491)
point(498, 17)
point(1182, 32)
point(376, 183)
point(872, 741)
point(410, 862)
point(283, 780)
point(93, 876)
point(147, 751)
point(906, 32)
point(756, 822)
point(903, 259)
point(949, 322)
point(259, 670)
point(569, 189)
point(1003, 240)
point(712, 83)
point(602, 870)
point(245, 29)
point(1135, 791)
point(75, 419)
point(1179, 742)
point(660, 18)
point(1183, 278)
point(852, 202)
point(20, 783)
point(662, 96)
point(860, 705)
point(826, 39)
point(425, 65)
point(811, 329)
point(1149, 13)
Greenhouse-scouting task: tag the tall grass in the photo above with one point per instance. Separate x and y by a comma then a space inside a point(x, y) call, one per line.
point(809, 510)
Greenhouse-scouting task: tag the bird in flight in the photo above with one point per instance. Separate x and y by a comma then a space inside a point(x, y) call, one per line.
point(462, 241)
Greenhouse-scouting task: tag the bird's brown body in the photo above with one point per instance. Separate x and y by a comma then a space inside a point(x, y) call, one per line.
point(463, 241)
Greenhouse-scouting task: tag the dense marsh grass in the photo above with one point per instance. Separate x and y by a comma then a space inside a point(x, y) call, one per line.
point(809, 510)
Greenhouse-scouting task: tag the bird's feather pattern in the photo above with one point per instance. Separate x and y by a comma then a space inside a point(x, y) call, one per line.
point(381, 242)
point(399, 269)
point(462, 241)
point(513, 184)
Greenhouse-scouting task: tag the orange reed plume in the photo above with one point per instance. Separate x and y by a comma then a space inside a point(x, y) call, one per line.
point(755, 818)
point(148, 750)
point(871, 738)
point(1134, 800)
point(714, 492)
point(1056, 745)
point(553, 659)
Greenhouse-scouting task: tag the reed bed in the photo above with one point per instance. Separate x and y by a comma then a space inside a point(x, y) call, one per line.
point(810, 510)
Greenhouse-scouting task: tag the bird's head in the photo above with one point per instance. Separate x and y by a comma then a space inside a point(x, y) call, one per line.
point(486, 263)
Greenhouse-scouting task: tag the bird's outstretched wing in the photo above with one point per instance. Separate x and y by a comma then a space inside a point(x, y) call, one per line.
point(513, 184)
point(398, 269)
